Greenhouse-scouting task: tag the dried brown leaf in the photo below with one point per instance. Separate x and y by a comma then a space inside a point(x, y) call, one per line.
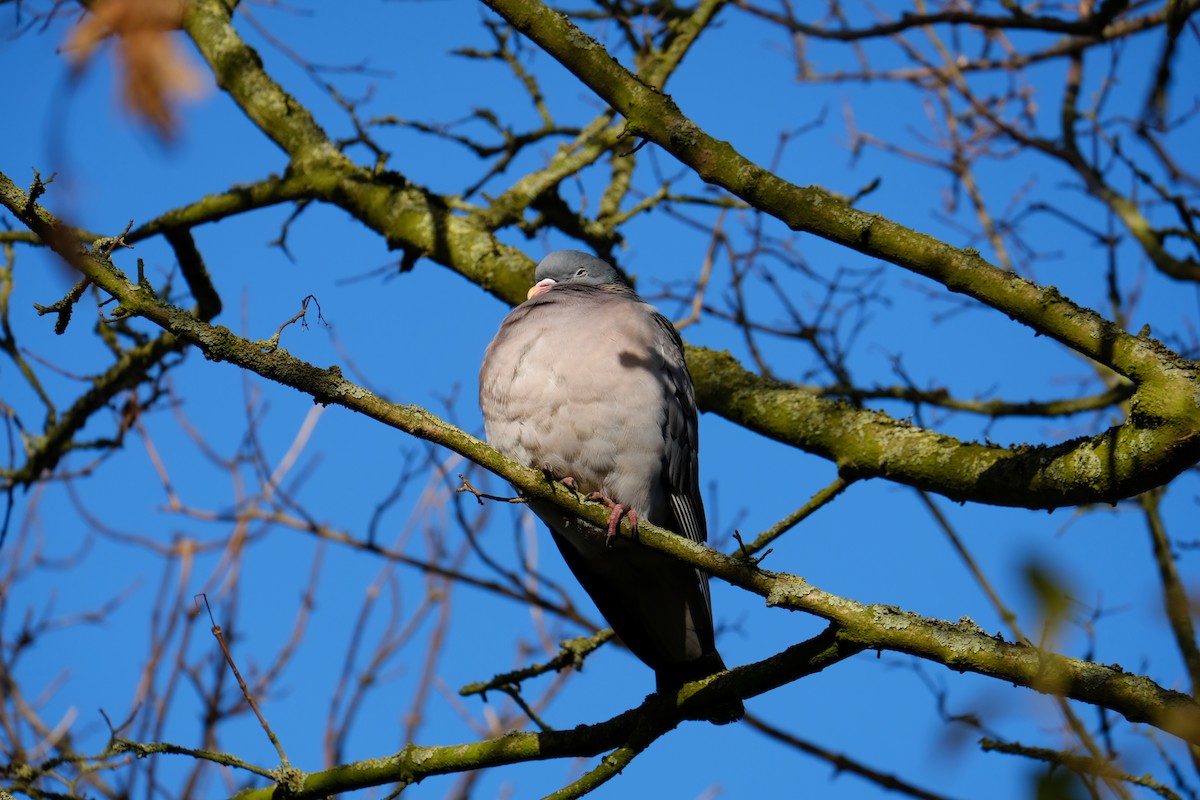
point(153, 69)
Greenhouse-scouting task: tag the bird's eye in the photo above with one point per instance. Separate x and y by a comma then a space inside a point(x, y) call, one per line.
point(582, 271)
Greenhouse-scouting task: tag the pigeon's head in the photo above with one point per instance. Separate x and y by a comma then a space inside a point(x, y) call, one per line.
point(572, 266)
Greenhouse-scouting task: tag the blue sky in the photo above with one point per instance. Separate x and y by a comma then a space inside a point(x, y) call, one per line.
point(418, 338)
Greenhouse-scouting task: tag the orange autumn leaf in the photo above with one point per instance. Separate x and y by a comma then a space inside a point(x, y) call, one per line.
point(152, 67)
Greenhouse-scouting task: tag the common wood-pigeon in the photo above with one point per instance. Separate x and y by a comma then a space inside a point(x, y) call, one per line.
point(587, 382)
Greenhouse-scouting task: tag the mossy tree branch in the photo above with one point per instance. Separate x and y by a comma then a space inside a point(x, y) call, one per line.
point(960, 646)
point(1160, 438)
point(628, 733)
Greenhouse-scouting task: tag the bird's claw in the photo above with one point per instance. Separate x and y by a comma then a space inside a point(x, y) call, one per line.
point(614, 518)
point(565, 480)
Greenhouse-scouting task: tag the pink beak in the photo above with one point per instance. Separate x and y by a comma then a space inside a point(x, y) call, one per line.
point(541, 287)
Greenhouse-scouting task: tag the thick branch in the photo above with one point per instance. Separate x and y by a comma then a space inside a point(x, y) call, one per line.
point(1117, 463)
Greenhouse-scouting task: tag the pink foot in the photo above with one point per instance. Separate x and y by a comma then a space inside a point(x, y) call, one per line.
point(614, 518)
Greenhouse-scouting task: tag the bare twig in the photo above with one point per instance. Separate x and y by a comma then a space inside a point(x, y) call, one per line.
point(216, 632)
